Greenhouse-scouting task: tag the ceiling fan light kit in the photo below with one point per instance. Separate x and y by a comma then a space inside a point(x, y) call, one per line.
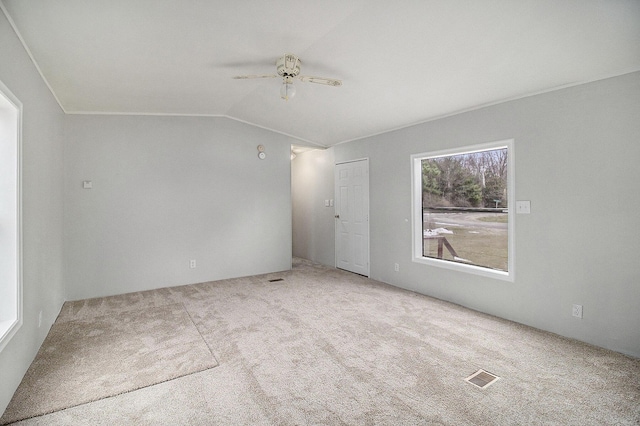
point(288, 67)
point(287, 90)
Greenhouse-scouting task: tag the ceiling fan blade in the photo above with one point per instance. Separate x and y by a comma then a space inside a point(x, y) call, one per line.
point(320, 80)
point(246, 77)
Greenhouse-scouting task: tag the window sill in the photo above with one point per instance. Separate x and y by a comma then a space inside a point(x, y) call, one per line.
point(469, 269)
point(8, 329)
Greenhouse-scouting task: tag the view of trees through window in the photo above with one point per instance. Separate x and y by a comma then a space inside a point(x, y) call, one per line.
point(464, 205)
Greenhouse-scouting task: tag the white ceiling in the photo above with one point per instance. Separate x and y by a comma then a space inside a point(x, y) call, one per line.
point(401, 62)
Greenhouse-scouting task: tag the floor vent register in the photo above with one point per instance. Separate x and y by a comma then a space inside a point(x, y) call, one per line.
point(482, 379)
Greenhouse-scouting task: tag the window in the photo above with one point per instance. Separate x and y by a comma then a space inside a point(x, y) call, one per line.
point(10, 232)
point(463, 209)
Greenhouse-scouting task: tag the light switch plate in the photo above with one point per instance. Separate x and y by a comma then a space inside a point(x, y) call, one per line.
point(523, 207)
point(576, 311)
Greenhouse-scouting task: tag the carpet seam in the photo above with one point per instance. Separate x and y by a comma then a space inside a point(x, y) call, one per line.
point(200, 333)
point(128, 311)
point(64, 323)
point(108, 397)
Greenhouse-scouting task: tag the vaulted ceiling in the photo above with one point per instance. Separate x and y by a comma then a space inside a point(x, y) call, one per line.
point(401, 62)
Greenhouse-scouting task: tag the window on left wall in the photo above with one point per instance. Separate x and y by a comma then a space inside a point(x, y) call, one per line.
point(10, 216)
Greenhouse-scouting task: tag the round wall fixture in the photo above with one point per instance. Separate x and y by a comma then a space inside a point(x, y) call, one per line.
point(260, 148)
point(262, 155)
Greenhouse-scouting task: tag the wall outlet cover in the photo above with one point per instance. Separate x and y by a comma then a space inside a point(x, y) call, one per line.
point(523, 207)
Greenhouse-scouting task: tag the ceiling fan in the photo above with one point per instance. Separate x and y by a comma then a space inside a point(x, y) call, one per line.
point(288, 67)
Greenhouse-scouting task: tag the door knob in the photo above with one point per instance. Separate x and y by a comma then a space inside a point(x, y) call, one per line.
point(337, 216)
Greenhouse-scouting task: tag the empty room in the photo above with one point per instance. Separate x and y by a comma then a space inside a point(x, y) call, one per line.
point(419, 212)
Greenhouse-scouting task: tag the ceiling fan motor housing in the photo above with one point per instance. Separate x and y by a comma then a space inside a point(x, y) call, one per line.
point(288, 66)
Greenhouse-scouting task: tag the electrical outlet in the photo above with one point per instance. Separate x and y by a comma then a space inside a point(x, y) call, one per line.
point(523, 207)
point(576, 311)
point(396, 267)
point(40, 319)
point(192, 263)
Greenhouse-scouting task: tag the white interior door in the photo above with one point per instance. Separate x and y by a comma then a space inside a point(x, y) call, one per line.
point(352, 216)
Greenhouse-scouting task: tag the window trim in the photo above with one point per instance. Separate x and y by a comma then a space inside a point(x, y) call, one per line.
point(9, 327)
point(416, 211)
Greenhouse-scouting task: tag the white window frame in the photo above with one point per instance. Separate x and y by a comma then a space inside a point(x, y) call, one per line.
point(11, 219)
point(416, 211)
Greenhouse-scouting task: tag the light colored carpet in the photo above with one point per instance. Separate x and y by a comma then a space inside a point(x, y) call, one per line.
point(329, 347)
point(89, 359)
